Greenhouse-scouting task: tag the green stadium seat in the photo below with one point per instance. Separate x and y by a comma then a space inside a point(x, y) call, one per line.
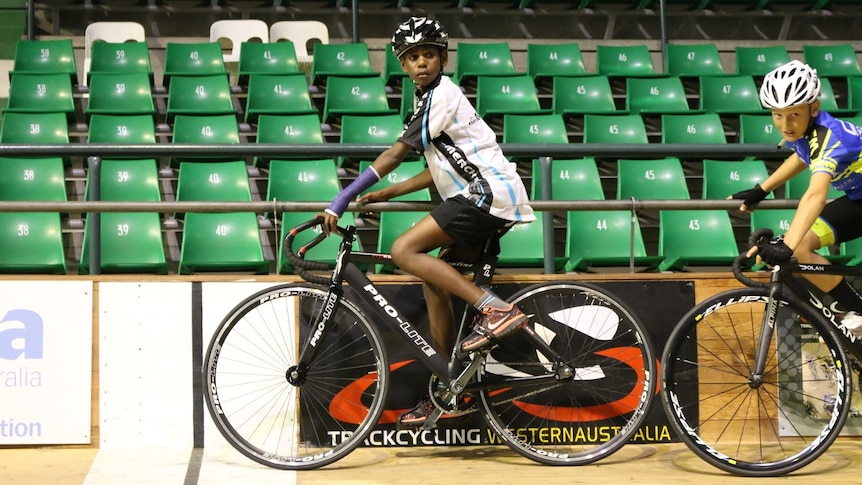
point(303, 180)
point(758, 129)
point(407, 98)
point(126, 57)
point(604, 239)
point(758, 60)
point(119, 129)
point(340, 60)
point(796, 186)
point(624, 60)
point(696, 238)
point(832, 60)
point(393, 74)
point(212, 129)
point(854, 93)
point(692, 128)
point(694, 60)
point(288, 129)
point(199, 95)
point(657, 95)
point(722, 179)
point(523, 247)
point(41, 93)
point(273, 58)
point(536, 129)
point(34, 128)
point(732, 94)
point(482, 59)
point(577, 96)
point(651, 179)
point(120, 93)
point(192, 59)
point(205, 181)
point(547, 61)
point(32, 179)
point(45, 56)
point(828, 102)
point(405, 171)
point(354, 96)
point(575, 179)
point(623, 129)
point(500, 95)
point(278, 95)
point(369, 130)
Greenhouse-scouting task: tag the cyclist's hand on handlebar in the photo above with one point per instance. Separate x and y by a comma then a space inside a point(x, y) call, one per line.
point(330, 223)
point(772, 252)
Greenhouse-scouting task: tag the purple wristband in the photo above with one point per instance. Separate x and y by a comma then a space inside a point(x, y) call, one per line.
point(365, 180)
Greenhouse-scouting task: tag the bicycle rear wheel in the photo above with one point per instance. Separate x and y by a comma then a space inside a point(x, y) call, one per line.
point(743, 425)
point(585, 417)
point(281, 416)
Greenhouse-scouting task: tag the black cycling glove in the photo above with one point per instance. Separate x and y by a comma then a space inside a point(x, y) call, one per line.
point(774, 252)
point(751, 196)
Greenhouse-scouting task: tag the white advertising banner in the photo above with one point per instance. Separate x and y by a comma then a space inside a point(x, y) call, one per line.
point(45, 362)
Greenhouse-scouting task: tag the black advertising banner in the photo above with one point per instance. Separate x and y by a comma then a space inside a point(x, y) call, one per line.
point(658, 304)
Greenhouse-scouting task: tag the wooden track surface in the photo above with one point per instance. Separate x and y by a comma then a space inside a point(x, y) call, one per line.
point(636, 464)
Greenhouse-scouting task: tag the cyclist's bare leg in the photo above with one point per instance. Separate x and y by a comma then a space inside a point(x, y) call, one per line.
point(805, 254)
point(410, 253)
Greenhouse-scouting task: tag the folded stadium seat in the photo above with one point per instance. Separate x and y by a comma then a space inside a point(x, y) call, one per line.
point(45, 57)
point(501, 95)
point(120, 93)
point(126, 57)
point(758, 129)
point(192, 59)
point(285, 94)
point(407, 105)
point(620, 62)
point(393, 225)
point(758, 60)
point(341, 60)
point(722, 179)
point(404, 172)
point(523, 247)
point(573, 179)
point(303, 34)
point(32, 242)
point(828, 102)
point(650, 97)
point(796, 186)
point(41, 93)
point(213, 129)
point(832, 60)
point(692, 129)
point(199, 95)
point(661, 178)
point(604, 239)
point(369, 130)
point(854, 93)
point(237, 32)
point(625, 129)
point(730, 95)
point(274, 58)
point(696, 238)
point(547, 61)
point(288, 129)
point(354, 96)
point(535, 129)
point(119, 129)
point(573, 97)
point(36, 128)
point(482, 59)
point(393, 74)
point(218, 241)
point(115, 34)
point(131, 242)
point(691, 61)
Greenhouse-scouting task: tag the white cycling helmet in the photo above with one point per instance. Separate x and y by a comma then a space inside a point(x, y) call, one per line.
point(418, 31)
point(792, 84)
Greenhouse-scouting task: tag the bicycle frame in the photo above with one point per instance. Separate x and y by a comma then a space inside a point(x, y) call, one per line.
point(447, 370)
point(783, 277)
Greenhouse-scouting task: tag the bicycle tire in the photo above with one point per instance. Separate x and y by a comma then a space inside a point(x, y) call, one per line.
point(587, 417)
point(770, 429)
point(319, 418)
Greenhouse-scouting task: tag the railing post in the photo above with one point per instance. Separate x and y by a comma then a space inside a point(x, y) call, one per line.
point(94, 219)
point(547, 216)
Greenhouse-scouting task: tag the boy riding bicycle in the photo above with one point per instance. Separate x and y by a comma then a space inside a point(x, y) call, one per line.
point(832, 150)
point(481, 191)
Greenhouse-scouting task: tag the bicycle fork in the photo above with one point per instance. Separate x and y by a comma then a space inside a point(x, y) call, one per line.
point(766, 333)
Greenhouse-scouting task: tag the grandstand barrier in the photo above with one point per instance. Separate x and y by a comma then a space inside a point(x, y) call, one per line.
point(94, 152)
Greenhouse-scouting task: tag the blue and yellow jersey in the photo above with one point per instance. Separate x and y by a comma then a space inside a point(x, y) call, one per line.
point(835, 147)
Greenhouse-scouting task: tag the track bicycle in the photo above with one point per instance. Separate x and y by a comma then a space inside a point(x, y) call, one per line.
point(296, 375)
point(756, 380)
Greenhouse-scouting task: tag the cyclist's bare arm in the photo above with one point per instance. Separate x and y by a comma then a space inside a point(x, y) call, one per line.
point(791, 167)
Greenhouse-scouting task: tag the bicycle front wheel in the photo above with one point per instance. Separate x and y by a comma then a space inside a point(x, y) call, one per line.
point(590, 414)
point(283, 416)
point(746, 424)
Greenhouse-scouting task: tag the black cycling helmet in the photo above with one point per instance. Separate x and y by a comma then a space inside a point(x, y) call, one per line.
point(418, 31)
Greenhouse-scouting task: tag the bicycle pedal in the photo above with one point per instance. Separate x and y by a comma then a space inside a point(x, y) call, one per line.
point(431, 420)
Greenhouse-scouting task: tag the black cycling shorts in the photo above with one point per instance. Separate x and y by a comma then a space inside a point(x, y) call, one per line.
point(468, 226)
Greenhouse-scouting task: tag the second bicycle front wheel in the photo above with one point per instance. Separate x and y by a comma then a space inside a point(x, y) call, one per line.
point(590, 414)
point(743, 423)
point(278, 413)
